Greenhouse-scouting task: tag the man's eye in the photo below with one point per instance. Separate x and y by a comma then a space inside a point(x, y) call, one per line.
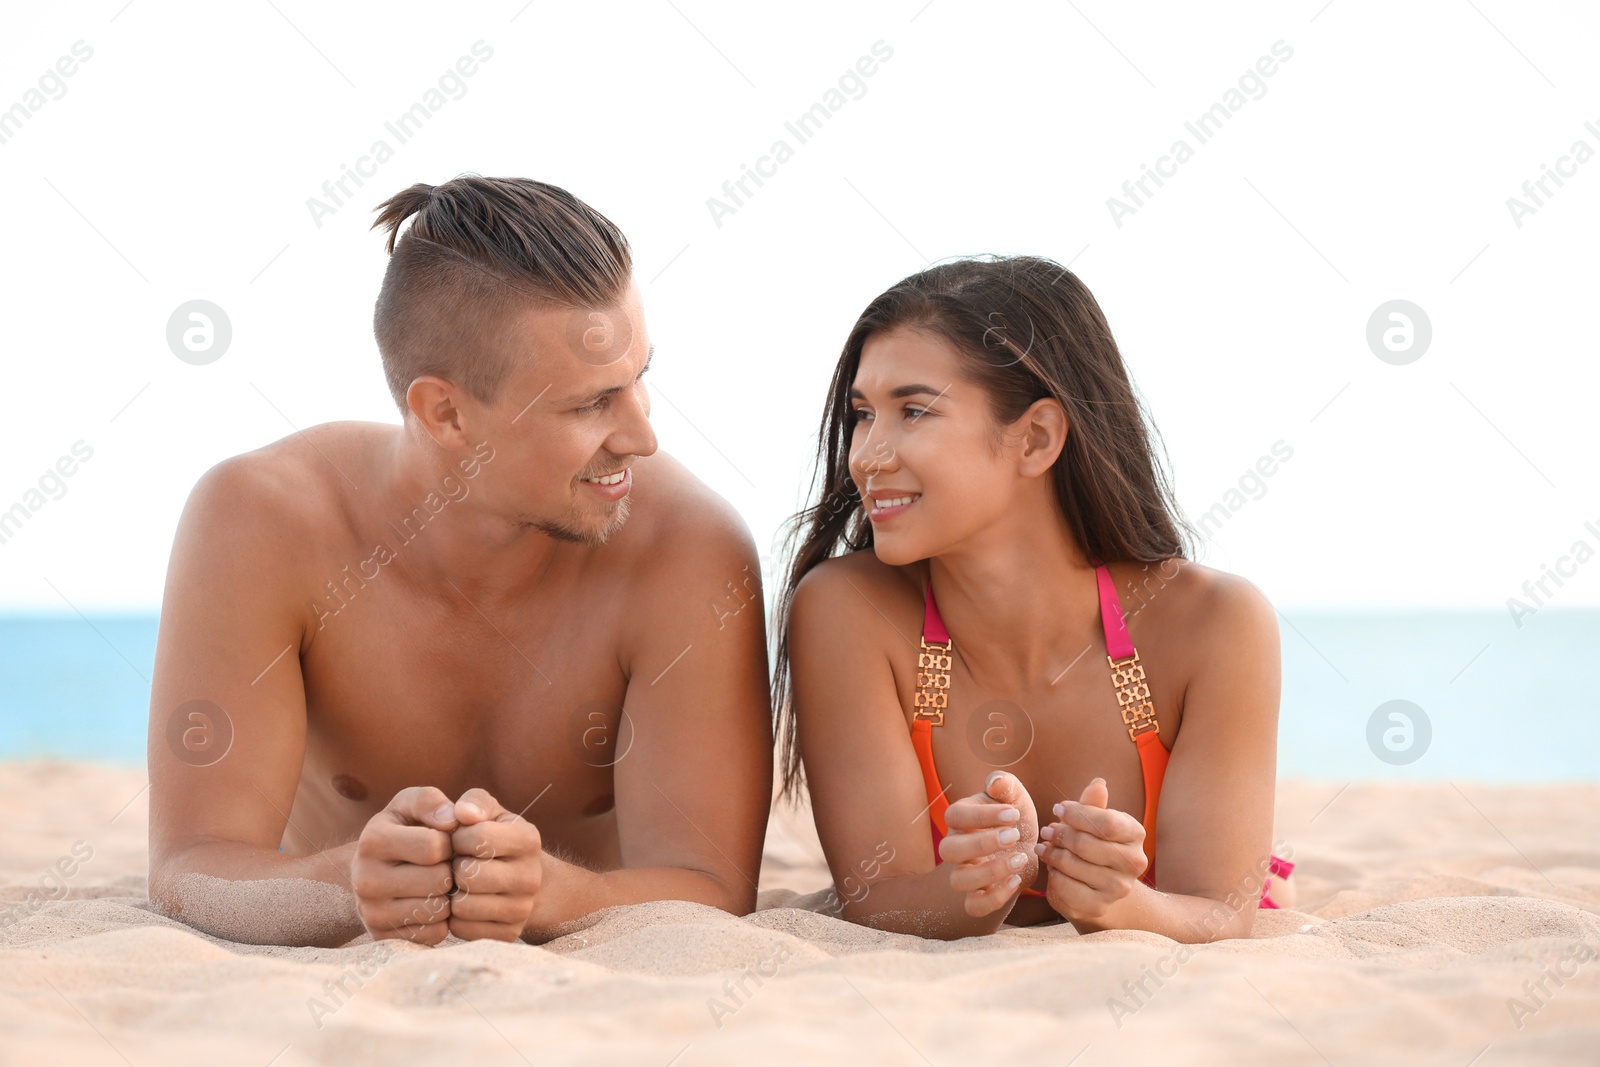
point(596, 406)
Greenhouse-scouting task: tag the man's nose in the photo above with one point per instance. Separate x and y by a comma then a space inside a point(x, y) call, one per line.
point(634, 436)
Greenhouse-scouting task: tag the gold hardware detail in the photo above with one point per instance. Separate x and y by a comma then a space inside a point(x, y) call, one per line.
point(1133, 694)
point(933, 683)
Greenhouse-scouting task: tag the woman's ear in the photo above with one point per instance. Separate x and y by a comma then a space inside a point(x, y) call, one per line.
point(1043, 432)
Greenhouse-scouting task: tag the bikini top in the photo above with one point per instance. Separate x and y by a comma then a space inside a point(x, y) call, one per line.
point(1127, 677)
point(1133, 699)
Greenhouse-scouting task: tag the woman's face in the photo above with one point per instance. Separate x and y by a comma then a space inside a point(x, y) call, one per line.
point(922, 449)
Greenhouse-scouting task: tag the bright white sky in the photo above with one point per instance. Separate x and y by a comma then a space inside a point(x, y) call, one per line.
point(1376, 166)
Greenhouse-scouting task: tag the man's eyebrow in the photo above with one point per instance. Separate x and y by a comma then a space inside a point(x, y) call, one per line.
point(594, 398)
point(903, 390)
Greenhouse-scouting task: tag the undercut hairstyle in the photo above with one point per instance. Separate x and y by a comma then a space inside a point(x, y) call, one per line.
point(478, 251)
point(1025, 328)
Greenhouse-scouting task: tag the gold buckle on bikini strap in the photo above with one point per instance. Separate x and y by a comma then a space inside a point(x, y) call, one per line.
point(933, 683)
point(1133, 694)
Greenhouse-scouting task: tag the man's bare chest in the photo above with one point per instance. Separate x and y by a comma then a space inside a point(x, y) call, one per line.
point(527, 705)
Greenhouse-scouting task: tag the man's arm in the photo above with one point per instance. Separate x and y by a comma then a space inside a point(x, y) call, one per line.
point(694, 789)
point(228, 727)
point(228, 736)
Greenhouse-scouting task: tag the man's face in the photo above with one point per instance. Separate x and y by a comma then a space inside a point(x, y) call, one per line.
point(572, 415)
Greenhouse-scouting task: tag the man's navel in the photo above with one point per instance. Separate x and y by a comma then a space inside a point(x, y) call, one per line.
point(350, 787)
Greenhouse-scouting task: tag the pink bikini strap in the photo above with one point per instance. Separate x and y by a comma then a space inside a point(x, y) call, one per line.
point(933, 630)
point(1118, 644)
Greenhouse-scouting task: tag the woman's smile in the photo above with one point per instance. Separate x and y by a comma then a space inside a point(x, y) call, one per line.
point(887, 503)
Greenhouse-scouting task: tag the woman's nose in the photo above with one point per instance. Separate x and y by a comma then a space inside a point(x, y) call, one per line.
point(873, 456)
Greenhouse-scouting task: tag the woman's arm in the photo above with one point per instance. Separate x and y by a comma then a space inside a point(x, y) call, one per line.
point(1215, 827)
point(866, 786)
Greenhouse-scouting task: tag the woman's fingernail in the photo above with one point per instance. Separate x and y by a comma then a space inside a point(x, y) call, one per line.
point(1047, 832)
point(1009, 814)
point(444, 812)
point(1017, 861)
point(1010, 835)
point(1060, 809)
point(1013, 881)
point(1038, 850)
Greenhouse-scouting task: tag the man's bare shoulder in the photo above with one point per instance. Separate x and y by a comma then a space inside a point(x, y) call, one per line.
point(292, 486)
point(674, 510)
point(689, 568)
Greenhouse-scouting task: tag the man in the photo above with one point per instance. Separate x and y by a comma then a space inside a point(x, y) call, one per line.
point(480, 674)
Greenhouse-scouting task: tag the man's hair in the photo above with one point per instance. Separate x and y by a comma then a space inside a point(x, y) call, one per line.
point(478, 250)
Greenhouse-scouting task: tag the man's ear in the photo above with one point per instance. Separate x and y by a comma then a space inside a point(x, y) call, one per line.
point(432, 401)
point(1043, 430)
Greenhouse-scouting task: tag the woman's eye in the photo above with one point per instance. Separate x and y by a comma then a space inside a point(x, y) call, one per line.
point(860, 415)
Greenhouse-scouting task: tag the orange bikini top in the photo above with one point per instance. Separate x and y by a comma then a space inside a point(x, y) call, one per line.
point(1127, 678)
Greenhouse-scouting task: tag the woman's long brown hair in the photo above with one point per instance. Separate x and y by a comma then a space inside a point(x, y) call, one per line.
point(1026, 328)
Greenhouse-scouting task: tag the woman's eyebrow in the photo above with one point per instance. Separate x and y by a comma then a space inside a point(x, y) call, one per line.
point(903, 390)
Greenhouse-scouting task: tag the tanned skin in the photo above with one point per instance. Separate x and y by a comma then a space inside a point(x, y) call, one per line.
point(536, 699)
point(1019, 599)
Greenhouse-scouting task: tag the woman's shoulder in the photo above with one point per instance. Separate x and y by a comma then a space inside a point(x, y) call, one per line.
point(1195, 584)
point(860, 590)
point(1206, 606)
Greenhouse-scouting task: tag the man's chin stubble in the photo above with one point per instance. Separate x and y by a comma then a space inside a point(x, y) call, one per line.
point(573, 535)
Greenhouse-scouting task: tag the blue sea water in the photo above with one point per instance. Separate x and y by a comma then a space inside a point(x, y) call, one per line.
point(1500, 703)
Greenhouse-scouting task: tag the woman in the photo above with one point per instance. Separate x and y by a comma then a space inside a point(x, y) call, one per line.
point(991, 601)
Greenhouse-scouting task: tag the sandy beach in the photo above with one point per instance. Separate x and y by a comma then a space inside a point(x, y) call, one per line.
point(1437, 923)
